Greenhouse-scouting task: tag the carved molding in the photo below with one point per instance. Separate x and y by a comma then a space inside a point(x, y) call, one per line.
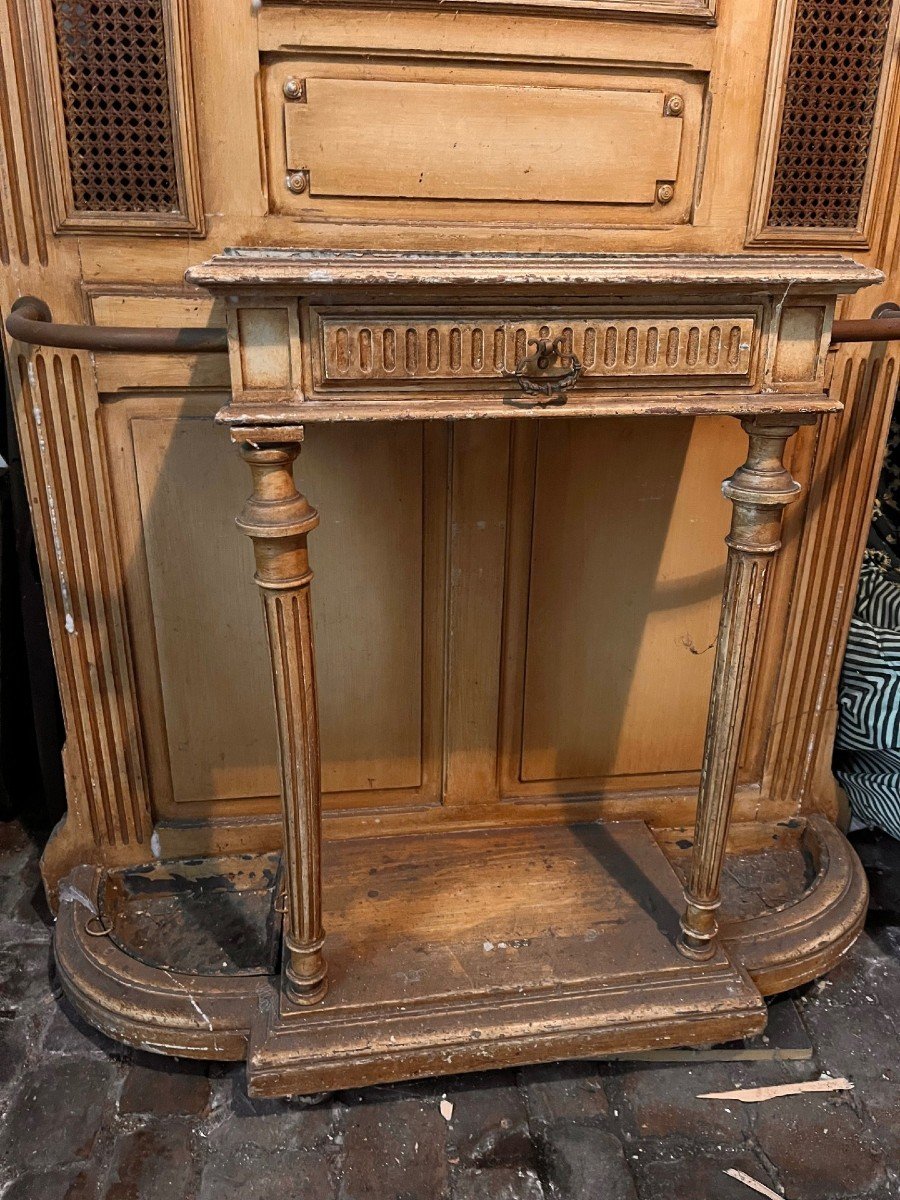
point(697, 12)
point(22, 234)
point(848, 457)
point(489, 348)
point(56, 409)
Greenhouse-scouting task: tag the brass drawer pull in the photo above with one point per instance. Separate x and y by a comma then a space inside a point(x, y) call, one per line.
point(545, 375)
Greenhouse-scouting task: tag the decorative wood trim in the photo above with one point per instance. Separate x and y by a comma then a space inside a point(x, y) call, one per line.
point(189, 218)
point(803, 940)
point(694, 12)
point(287, 271)
point(22, 233)
point(443, 348)
point(57, 417)
point(278, 520)
point(140, 1005)
point(848, 453)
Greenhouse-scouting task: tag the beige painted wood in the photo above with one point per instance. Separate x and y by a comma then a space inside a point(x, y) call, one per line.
point(514, 620)
point(200, 580)
point(477, 520)
point(618, 659)
point(483, 141)
point(533, 142)
point(240, 57)
point(217, 707)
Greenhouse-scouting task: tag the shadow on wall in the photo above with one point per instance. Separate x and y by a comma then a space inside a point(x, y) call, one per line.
point(31, 726)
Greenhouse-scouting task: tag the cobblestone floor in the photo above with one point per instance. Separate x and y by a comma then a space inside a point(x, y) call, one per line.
point(85, 1119)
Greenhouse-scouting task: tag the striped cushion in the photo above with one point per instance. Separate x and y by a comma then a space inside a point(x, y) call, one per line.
point(867, 747)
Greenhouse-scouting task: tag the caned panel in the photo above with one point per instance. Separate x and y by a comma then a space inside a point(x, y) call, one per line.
point(115, 79)
point(828, 118)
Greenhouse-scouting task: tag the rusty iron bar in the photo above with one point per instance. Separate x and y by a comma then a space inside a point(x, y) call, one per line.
point(882, 326)
point(30, 320)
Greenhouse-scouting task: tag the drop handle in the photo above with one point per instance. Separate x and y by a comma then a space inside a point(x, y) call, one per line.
point(546, 375)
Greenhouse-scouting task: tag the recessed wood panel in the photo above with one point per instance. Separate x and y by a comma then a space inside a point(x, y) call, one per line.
point(208, 626)
point(358, 136)
point(625, 583)
point(483, 141)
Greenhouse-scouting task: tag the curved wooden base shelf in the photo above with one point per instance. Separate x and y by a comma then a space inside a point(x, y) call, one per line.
point(192, 1016)
point(800, 941)
point(218, 1016)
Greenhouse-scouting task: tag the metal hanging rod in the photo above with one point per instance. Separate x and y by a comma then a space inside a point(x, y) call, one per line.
point(30, 320)
point(882, 326)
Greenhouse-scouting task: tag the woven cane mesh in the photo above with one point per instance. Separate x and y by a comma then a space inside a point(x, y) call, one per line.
point(830, 100)
point(112, 57)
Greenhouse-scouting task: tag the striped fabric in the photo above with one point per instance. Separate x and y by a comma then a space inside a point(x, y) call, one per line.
point(867, 747)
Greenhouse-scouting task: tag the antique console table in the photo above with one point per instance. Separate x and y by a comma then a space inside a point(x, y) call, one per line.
point(489, 826)
point(416, 955)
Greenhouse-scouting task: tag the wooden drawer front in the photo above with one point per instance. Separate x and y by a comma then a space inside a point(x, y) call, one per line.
point(529, 145)
point(411, 348)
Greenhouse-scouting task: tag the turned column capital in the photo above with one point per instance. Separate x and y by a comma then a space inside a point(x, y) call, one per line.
point(762, 487)
point(275, 509)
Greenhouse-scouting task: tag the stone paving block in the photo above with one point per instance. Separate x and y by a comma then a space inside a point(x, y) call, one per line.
point(66, 1183)
point(852, 1015)
point(68, 1033)
point(25, 969)
point(56, 1112)
point(879, 1104)
point(238, 1121)
point(249, 1172)
point(13, 1049)
point(555, 1091)
point(497, 1183)
point(489, 1124)
point(394, 1149)
point(656, 1102)
point(155, 1163)
point(163, 1087)
point(685, 1174)
point(819, 1147)
point(582, 1162)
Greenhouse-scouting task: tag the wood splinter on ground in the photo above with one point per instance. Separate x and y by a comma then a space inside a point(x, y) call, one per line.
point(742, 1177)
point(755, 1095)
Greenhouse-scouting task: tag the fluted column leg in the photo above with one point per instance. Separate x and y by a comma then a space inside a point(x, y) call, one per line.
point(278, 519)
point(759, 492)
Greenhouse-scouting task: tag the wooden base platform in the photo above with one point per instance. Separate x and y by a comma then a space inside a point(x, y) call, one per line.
point(446, 953)
point(490, 948)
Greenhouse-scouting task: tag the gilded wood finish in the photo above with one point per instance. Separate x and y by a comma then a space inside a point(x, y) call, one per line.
point(759, 491)
point(480, 665)
point(278, 520)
